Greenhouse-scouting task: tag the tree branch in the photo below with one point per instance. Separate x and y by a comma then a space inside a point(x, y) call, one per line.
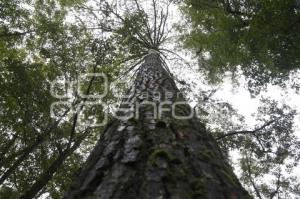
point(251, 179)
point(154, 25)
point(145, 22)
point(276, 191)
point(247, 131)
point(14, 34)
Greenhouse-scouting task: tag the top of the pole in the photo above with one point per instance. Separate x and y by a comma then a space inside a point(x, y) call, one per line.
point(152, 57)
point(152, 51)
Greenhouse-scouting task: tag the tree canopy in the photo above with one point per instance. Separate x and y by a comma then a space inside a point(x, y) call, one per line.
point(258, 37)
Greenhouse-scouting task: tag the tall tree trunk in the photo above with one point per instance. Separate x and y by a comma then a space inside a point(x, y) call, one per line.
point(153, 157)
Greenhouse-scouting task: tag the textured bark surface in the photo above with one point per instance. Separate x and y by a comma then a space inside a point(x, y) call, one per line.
point(156, 158)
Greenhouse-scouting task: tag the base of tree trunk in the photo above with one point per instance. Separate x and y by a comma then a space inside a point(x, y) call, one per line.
point(166, 162)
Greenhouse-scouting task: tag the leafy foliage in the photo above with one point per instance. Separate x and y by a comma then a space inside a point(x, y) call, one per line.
point(258, 37)
point(268, 154)
point(39, 46)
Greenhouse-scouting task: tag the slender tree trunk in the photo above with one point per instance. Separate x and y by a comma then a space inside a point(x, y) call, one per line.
point(153, 157)
point(28, 150)
point(40, 139)
point(48, 174)
point(6, 148)
point(20, 159)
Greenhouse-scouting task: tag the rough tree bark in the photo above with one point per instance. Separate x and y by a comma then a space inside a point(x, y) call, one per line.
point(153, 157)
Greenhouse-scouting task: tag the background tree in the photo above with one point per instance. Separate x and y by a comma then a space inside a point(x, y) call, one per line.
point(38, 47)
